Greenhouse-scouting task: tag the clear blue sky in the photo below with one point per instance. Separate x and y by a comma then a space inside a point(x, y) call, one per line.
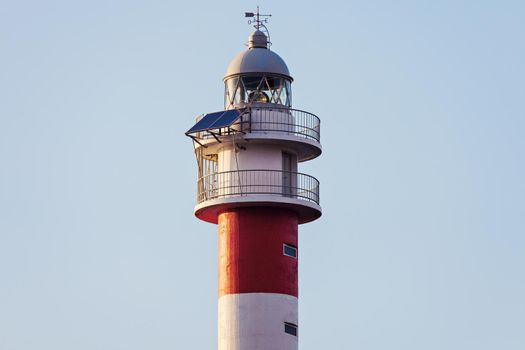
point(422, 240)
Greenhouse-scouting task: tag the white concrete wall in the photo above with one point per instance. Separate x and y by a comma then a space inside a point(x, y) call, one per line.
point(255, 321)
point(267, 121)
point(255, 156)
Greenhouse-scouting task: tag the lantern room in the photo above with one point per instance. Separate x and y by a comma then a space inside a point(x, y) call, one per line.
point(257, 76)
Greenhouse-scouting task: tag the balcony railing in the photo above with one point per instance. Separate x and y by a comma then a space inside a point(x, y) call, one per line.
point(229, 184)
point(273, 119)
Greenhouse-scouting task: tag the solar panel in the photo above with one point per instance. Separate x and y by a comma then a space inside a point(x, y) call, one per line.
point(215, 120)
point(227, 119)
point(205, 122)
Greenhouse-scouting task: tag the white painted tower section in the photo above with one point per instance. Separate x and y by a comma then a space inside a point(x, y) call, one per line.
point(254, 321)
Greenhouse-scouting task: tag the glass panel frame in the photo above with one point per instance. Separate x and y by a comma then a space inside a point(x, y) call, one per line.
point(247, 89)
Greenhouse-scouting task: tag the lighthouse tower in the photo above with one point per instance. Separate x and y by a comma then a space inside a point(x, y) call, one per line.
point(249, 184)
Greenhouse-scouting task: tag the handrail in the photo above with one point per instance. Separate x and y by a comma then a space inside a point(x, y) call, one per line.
point(234, 183)
point(274, 119)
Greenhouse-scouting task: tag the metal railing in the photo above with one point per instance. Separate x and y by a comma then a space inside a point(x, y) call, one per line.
point(274, 119)
point(258, 182)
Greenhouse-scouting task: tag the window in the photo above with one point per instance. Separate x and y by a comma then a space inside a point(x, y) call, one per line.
point(290, 328)
point(290, 250)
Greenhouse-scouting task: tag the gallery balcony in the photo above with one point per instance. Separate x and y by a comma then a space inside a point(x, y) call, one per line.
point(222, 190)
point(297, 129)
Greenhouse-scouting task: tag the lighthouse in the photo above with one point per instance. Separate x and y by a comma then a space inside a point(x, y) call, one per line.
point(249, 183)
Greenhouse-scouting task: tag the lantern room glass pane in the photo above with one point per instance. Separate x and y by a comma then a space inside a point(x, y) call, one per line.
point(257, 89)
point(275, 83)
point(251, 83)
point(288, 89)
point(230, 92)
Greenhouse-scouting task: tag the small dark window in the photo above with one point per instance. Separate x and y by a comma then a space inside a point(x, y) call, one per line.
point(290, 250)
point(290, 328)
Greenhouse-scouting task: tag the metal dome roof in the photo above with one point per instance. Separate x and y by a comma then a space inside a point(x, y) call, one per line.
point(257, 59)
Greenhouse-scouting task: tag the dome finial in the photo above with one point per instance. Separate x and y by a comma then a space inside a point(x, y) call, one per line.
point(257, 39)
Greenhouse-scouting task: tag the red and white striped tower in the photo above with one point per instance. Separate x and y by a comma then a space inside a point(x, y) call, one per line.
point(249, 185)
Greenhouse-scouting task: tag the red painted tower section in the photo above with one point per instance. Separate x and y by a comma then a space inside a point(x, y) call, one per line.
point(251, 258)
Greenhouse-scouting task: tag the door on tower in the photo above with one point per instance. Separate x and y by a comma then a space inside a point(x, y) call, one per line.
point(289, 177)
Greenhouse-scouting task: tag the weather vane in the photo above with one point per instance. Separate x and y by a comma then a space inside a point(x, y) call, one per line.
point(258, 21)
